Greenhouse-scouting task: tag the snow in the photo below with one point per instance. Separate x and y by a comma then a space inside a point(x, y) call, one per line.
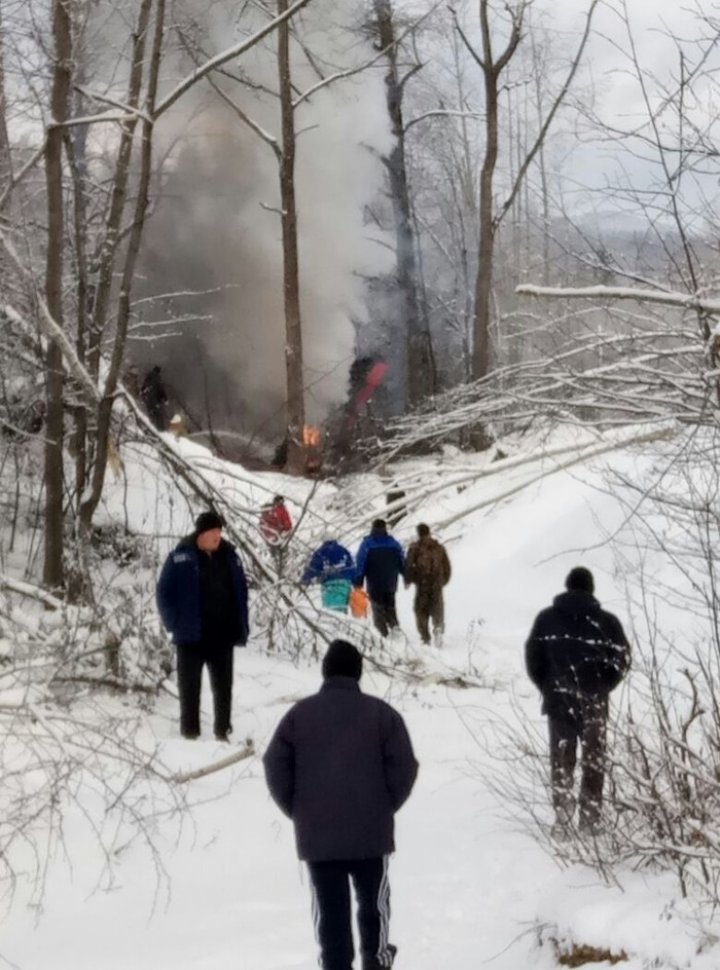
point(471, 884)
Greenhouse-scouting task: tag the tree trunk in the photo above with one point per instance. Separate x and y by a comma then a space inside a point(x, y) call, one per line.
point(6, 276)
point(483, 282)
point(104, 263)
point(291, 269)
point(492, 68)
point(421, 376)
point(5, 157)
point(538, 73)
point(76, 152)
point(142, 197)
point(53, 569)
point(468, 202)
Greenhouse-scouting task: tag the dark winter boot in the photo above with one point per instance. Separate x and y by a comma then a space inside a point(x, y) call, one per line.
point(373, 963)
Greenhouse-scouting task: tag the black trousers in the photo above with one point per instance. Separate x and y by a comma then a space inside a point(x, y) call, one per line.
point(587, 724)
point(330, 883)
point(191, 658)
point(383, 611)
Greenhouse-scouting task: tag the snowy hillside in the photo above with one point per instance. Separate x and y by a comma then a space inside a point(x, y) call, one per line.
point(214, 883)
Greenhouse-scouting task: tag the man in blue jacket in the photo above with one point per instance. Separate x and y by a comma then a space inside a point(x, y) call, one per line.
point(203, 602)
point(380, 563)
point(340, 764)
point(332, 566)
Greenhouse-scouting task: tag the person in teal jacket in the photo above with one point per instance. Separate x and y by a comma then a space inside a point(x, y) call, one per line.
point(332, 566)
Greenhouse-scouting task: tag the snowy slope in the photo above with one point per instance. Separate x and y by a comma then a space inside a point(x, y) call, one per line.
point(470, 885)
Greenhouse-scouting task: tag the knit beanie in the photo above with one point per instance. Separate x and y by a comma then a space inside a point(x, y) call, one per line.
point(207, 521)
point(342, 660)
point(580, 578)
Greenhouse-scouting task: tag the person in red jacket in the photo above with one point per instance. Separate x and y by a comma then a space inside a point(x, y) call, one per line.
point(275, 521)
point(276, 526)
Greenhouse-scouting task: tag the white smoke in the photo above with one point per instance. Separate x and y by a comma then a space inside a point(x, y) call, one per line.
point(217, 222)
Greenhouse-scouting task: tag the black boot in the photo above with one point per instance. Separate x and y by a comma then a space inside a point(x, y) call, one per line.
point(373, 963)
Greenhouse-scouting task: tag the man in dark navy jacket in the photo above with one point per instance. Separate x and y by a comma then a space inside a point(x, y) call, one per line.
point(380, 562)
point(575, 655)
point(340, 764)
point(203, 601)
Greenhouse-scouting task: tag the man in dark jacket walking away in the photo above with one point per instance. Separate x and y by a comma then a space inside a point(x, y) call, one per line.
point(340, 764)
point(380, 562)
point(575, 655)
point(428, 566)
point(203, 601)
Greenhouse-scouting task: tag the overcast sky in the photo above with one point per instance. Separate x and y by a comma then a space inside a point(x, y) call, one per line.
point(658, 26)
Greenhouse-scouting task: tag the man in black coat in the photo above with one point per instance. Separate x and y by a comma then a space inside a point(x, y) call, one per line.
point(575, 655)
point(203, 602)
point(340, 764)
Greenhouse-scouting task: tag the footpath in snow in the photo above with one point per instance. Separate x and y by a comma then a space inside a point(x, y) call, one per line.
point(221, 888)
point(464, 883)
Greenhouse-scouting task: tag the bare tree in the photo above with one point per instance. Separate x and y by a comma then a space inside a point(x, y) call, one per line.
point(5, 157)
point(105, 218)
point(53, 568)
point(441, 136)
point(492, 66)
point(420, 363)
point(291, 272)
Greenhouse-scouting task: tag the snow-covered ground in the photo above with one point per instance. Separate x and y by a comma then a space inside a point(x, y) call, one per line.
point(471, 886)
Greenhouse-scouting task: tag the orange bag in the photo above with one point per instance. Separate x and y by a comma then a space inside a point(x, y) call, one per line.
point(358, 603)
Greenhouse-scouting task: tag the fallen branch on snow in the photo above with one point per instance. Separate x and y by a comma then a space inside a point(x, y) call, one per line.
point(247, 752)
point(34, 592)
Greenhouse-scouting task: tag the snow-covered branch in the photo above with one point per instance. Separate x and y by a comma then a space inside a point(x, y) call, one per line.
point(227, 55)
point(688, 301)
point(104, 118)
point(550, 467)
point(51, 328)
point(128, 109)
point(441, 114)
point(33, 592)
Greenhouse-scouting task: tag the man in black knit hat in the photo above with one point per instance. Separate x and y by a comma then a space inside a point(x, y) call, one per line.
point(340, 764)
point(203, 601)
point(575, 655)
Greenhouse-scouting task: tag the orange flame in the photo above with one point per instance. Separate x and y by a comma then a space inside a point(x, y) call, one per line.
point(311, 436)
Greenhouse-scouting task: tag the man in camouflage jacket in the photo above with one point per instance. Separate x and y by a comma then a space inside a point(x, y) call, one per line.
point(428, 567)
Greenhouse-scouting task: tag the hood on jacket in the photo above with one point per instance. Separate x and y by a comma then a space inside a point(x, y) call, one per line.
point(328, 544)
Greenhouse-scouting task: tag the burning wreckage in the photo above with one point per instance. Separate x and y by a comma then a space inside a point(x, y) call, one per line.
point(332, 446)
